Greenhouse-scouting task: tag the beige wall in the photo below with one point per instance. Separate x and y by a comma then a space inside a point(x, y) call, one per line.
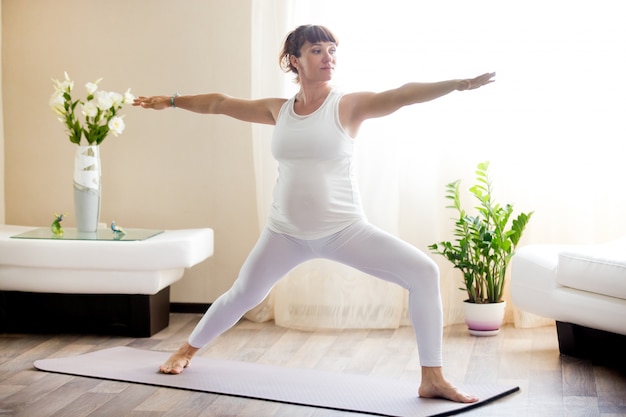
point(170, 169)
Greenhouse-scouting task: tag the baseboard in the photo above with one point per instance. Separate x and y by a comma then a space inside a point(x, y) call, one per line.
point(193, 308)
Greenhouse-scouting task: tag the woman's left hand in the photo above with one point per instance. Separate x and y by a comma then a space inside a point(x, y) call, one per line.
point(477, 82)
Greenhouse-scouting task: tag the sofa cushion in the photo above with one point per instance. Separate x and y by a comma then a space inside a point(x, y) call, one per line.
point(599, 268)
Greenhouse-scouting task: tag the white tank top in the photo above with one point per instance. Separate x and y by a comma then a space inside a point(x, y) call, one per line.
point(316, 192)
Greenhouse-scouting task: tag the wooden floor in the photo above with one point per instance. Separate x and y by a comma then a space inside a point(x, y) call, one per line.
point(551, 385)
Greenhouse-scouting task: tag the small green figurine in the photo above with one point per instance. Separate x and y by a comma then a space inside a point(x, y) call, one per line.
point(56, 227)
point(116, 229)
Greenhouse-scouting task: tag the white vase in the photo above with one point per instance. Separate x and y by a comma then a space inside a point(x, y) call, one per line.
point(484, 319)
point(87, 191)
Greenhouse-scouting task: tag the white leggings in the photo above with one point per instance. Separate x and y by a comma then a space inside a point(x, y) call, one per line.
point(360, 245)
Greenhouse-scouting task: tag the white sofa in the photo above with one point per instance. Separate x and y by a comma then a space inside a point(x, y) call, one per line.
point(583, 288)
point(116, 286)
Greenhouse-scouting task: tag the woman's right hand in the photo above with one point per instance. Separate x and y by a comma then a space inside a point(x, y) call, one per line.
point(154, 102)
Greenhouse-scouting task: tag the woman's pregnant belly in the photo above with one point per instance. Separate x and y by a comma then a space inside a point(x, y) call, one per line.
point(303, 197)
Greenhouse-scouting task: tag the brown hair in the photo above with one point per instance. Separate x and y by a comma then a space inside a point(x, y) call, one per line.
point(297, 38)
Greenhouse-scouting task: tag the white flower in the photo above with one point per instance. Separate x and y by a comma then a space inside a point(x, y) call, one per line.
point(91, 88)
point(117, 99)
point(57, 103)
point(99, 110)
point(104, 100)
point(64, 86)
point(128, 97)
point(116, 125)
point(90, 109)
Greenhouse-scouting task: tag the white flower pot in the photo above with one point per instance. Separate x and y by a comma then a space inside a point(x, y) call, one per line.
point(484, 319)
point(87, 173)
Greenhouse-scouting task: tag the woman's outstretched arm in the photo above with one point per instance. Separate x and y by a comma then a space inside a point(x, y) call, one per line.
point(363, 106)
point(257, 111)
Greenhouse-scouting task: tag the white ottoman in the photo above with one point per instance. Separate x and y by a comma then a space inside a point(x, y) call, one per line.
point(120, 287)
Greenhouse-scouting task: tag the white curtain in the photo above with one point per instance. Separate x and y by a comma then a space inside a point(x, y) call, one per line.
point(2, 208)
point(551, 126)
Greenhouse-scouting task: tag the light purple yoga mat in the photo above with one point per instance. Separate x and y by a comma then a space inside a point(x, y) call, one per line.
point(347, 392)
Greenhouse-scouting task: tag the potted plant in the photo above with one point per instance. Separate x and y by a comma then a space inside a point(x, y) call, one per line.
point(482, 250)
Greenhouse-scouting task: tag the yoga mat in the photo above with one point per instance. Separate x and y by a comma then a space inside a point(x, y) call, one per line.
point(332, 390)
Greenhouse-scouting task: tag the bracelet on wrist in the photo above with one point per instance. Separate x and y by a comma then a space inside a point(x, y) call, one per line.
point(172, 104)
point(465, 85)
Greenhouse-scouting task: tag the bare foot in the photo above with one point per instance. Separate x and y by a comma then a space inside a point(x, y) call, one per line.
point(435, 386)
point(448, 392)
point(179, 360)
